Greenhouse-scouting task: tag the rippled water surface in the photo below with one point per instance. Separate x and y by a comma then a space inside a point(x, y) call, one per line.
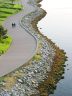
point(57, 25)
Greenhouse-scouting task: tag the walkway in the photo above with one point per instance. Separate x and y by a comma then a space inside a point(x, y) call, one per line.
point(23, 46)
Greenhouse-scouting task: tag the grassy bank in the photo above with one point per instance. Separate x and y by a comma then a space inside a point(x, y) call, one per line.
point(5, 44)
point(49, 85)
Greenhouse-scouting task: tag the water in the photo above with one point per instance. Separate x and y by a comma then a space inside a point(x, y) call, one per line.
point(57, 25)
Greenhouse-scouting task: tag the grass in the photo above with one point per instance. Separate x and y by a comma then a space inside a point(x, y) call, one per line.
point(1, 79)
point(5, 44)
point(37, 57)
point(7, 9)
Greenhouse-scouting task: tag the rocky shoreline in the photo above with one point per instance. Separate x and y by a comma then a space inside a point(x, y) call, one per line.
point(25, 80)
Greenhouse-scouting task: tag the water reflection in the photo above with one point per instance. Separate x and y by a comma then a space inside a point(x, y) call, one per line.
point(57, 25)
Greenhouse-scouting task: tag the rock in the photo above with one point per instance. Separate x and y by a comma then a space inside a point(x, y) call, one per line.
point(35, 71)
point(20, 81)
point(33, 82)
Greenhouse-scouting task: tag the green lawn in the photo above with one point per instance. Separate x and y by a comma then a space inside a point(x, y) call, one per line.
point(7, 9)
point(5, 44)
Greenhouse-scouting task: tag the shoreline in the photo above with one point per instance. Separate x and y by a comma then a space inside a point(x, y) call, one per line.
point(29, 77)
point(48, 86)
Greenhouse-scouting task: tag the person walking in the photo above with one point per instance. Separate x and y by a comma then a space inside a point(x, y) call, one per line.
point(13, 24)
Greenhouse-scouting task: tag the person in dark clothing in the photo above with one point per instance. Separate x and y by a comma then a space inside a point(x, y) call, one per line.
point(13, 24)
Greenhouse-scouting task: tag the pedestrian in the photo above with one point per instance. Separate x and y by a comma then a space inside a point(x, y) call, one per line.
point(13, 24)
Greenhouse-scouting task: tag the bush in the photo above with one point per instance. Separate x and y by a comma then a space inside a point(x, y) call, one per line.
point(3, 32)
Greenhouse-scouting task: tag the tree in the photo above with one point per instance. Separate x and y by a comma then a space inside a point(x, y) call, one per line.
point(3, 32)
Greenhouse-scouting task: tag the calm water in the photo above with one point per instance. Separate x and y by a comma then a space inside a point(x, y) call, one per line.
point(57, 25)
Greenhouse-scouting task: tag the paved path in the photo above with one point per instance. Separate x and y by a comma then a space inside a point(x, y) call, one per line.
point(23, 46)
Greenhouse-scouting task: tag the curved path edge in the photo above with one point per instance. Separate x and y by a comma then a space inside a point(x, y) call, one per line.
point(24, 44)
